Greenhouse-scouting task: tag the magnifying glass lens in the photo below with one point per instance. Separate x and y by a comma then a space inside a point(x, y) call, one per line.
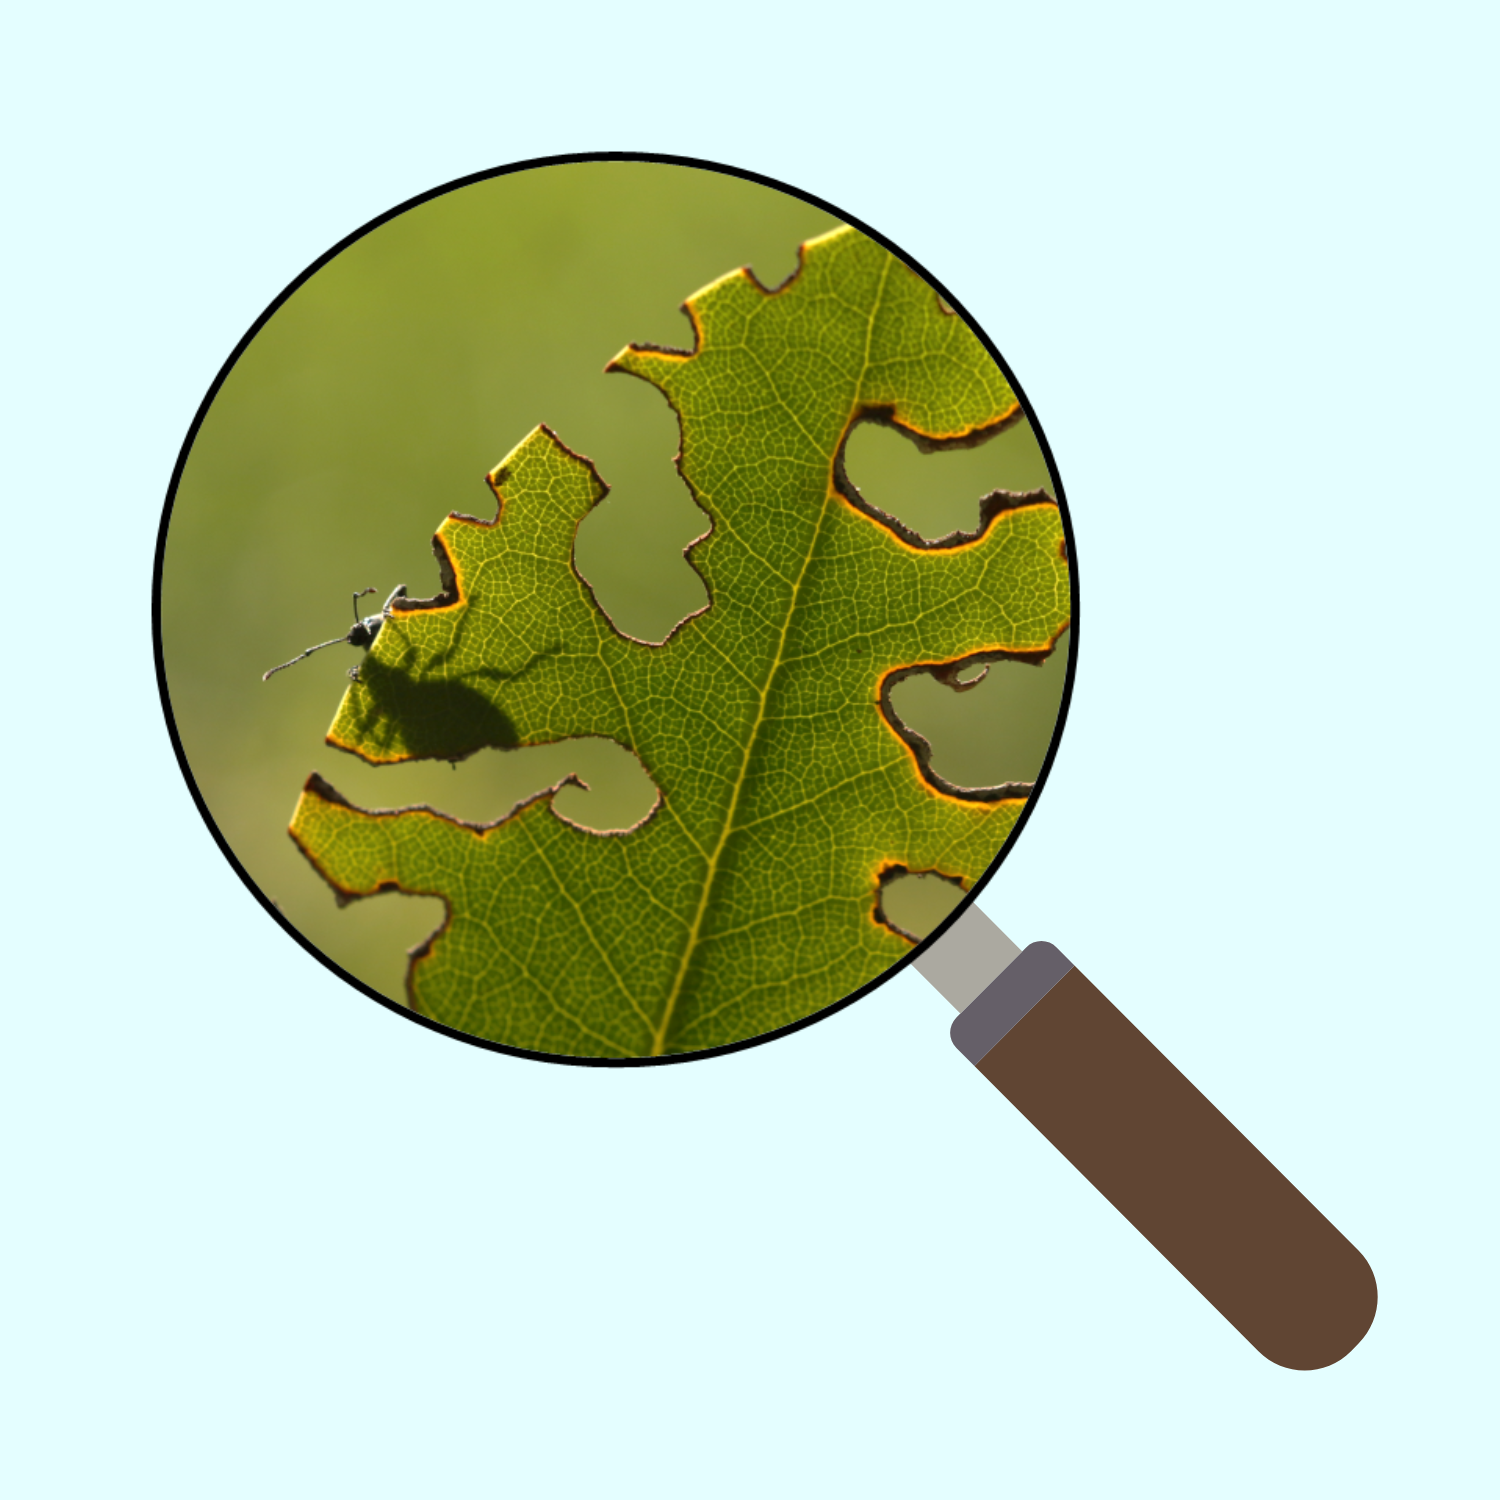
point(814, 646)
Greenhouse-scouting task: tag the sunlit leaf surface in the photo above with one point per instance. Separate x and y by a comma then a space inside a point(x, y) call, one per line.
point(749, 897)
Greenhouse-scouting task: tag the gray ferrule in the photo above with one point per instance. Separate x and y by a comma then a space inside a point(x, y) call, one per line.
point(981, 1025)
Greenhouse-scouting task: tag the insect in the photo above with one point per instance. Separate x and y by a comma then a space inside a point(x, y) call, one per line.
point(362, 633)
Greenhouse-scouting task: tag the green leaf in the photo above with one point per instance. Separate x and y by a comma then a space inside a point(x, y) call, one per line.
point(749, 897)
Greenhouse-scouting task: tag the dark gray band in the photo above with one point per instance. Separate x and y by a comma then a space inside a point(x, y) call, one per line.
point(1021, 985)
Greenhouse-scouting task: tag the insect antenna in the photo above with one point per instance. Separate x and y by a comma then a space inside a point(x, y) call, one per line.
point(338, 640)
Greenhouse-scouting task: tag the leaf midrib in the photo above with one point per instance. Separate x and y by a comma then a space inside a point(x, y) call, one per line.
point(727, 830)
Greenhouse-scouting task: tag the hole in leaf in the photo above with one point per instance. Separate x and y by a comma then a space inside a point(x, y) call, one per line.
point(996, 731)
point(489, 784)
point(936, 494)
point(630, 547)
point(915, 903)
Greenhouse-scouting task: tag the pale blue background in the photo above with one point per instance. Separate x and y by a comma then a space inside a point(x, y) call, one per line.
point(264, 1238)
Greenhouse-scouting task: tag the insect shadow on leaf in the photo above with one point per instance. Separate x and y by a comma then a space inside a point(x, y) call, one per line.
point(439, 718)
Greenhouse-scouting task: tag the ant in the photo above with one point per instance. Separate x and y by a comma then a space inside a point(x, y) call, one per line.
point(362, 633)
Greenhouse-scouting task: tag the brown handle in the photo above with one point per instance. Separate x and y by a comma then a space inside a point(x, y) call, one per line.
point(1169, 1161)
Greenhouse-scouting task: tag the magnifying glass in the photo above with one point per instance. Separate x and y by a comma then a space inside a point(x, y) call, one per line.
point(790, 792)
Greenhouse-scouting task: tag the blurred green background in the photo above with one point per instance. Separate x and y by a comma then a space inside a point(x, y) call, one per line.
point(374, 402)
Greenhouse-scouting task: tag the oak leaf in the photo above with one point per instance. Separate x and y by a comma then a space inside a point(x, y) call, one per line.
point(748, 899)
